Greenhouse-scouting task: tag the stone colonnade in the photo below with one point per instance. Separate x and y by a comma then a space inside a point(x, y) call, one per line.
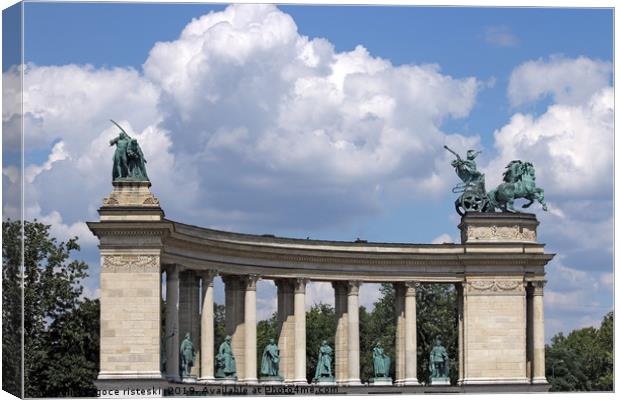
point(475, 360)
point(498, 270)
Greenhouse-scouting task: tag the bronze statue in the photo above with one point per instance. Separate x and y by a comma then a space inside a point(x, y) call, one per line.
point(129, 161)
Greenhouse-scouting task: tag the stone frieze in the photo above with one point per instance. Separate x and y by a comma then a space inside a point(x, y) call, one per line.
point(130, 263)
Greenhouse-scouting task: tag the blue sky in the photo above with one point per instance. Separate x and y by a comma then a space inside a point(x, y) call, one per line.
point(530, 83)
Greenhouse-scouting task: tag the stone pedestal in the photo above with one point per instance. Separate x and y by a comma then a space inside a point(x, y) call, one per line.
point(131, 193)
point(380, 381)
point(131, 242)
point(492, 303)
point(271, 380)
point(498, 228)
point(440, 381)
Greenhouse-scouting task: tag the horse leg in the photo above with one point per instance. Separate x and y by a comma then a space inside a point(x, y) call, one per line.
point(531, 199)
point(510, 206)
point(540, 196)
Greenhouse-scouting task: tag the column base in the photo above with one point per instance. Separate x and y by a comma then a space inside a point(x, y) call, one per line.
point(249, 381)
point(299, 382)
point(494, 381)
point(350, 382)
point(206, 379)
point(407, 382)
point(381, 381)
point(539, 381)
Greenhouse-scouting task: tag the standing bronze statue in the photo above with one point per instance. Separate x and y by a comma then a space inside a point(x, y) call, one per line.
point(270, 363)
point(188, 356)
point(438, 363)
point(323, 372)
point(225, 364)
point(380, 362)
point(129, 161)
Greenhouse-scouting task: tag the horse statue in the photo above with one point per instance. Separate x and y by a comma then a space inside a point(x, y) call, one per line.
point(519, 183)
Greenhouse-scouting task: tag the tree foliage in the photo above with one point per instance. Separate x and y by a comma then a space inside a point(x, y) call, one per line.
point(11, 308)
point(583, 360)
point(437, 318)
point(61, 330)
point(320, 325)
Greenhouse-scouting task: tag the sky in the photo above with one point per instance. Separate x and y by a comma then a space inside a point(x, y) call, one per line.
point(325, 122)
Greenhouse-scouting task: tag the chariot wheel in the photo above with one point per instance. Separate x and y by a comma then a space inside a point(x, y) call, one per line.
point(471, 201)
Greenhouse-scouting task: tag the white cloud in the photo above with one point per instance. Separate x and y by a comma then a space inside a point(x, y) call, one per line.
point(607, 280)
point(570, 145)
point(568, 81)
point(58, 153)
point(500, 36)
point(443, 238)
point(319, 292)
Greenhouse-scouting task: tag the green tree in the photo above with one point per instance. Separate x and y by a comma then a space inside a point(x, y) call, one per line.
point(378, 325)
point(219, 325)
point(61, 342)
point(437, 318)
point(583, 360)
point(11, 308)
point(320, 325)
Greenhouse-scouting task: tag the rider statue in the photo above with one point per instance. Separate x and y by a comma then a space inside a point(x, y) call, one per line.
point(467, 169)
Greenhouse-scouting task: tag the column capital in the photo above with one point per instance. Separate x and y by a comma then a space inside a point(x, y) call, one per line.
point(353, 288)
point(231, 281)
point(284, 284)
point(300, 285)
point(208, 275)
point(538, 287)
point(250, 281)
point(411, 287)
point(340, 287)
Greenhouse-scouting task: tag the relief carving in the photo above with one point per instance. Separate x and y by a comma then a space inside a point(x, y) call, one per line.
point(499, 233)
point(130, 263)
point(498, 286)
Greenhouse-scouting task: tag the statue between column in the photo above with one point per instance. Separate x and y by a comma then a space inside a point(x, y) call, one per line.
point(270, 363)
point(188, 357)
point(323, 372)
point(438, 365)
point(381, 366)
point(225, 364)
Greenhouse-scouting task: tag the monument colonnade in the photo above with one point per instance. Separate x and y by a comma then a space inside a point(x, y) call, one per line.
point(498, 270)
point(241, 324)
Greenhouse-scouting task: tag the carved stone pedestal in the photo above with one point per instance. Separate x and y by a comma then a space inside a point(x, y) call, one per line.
point(131, 193)
point(498, 228)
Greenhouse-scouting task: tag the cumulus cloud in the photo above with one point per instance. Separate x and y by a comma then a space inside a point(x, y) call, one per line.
point(568, 80)
point(296, 124)
point(254, 123)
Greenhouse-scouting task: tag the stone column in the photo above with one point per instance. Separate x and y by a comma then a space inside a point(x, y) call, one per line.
point(341, 340)
point(207, 329)
point(250, 330)
point(353, 333)
point(461, 328)
point(399, 297)
point(172, 323)
point(286, 329)
point(538, 370)
point(300, 331)
point(411, 356)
